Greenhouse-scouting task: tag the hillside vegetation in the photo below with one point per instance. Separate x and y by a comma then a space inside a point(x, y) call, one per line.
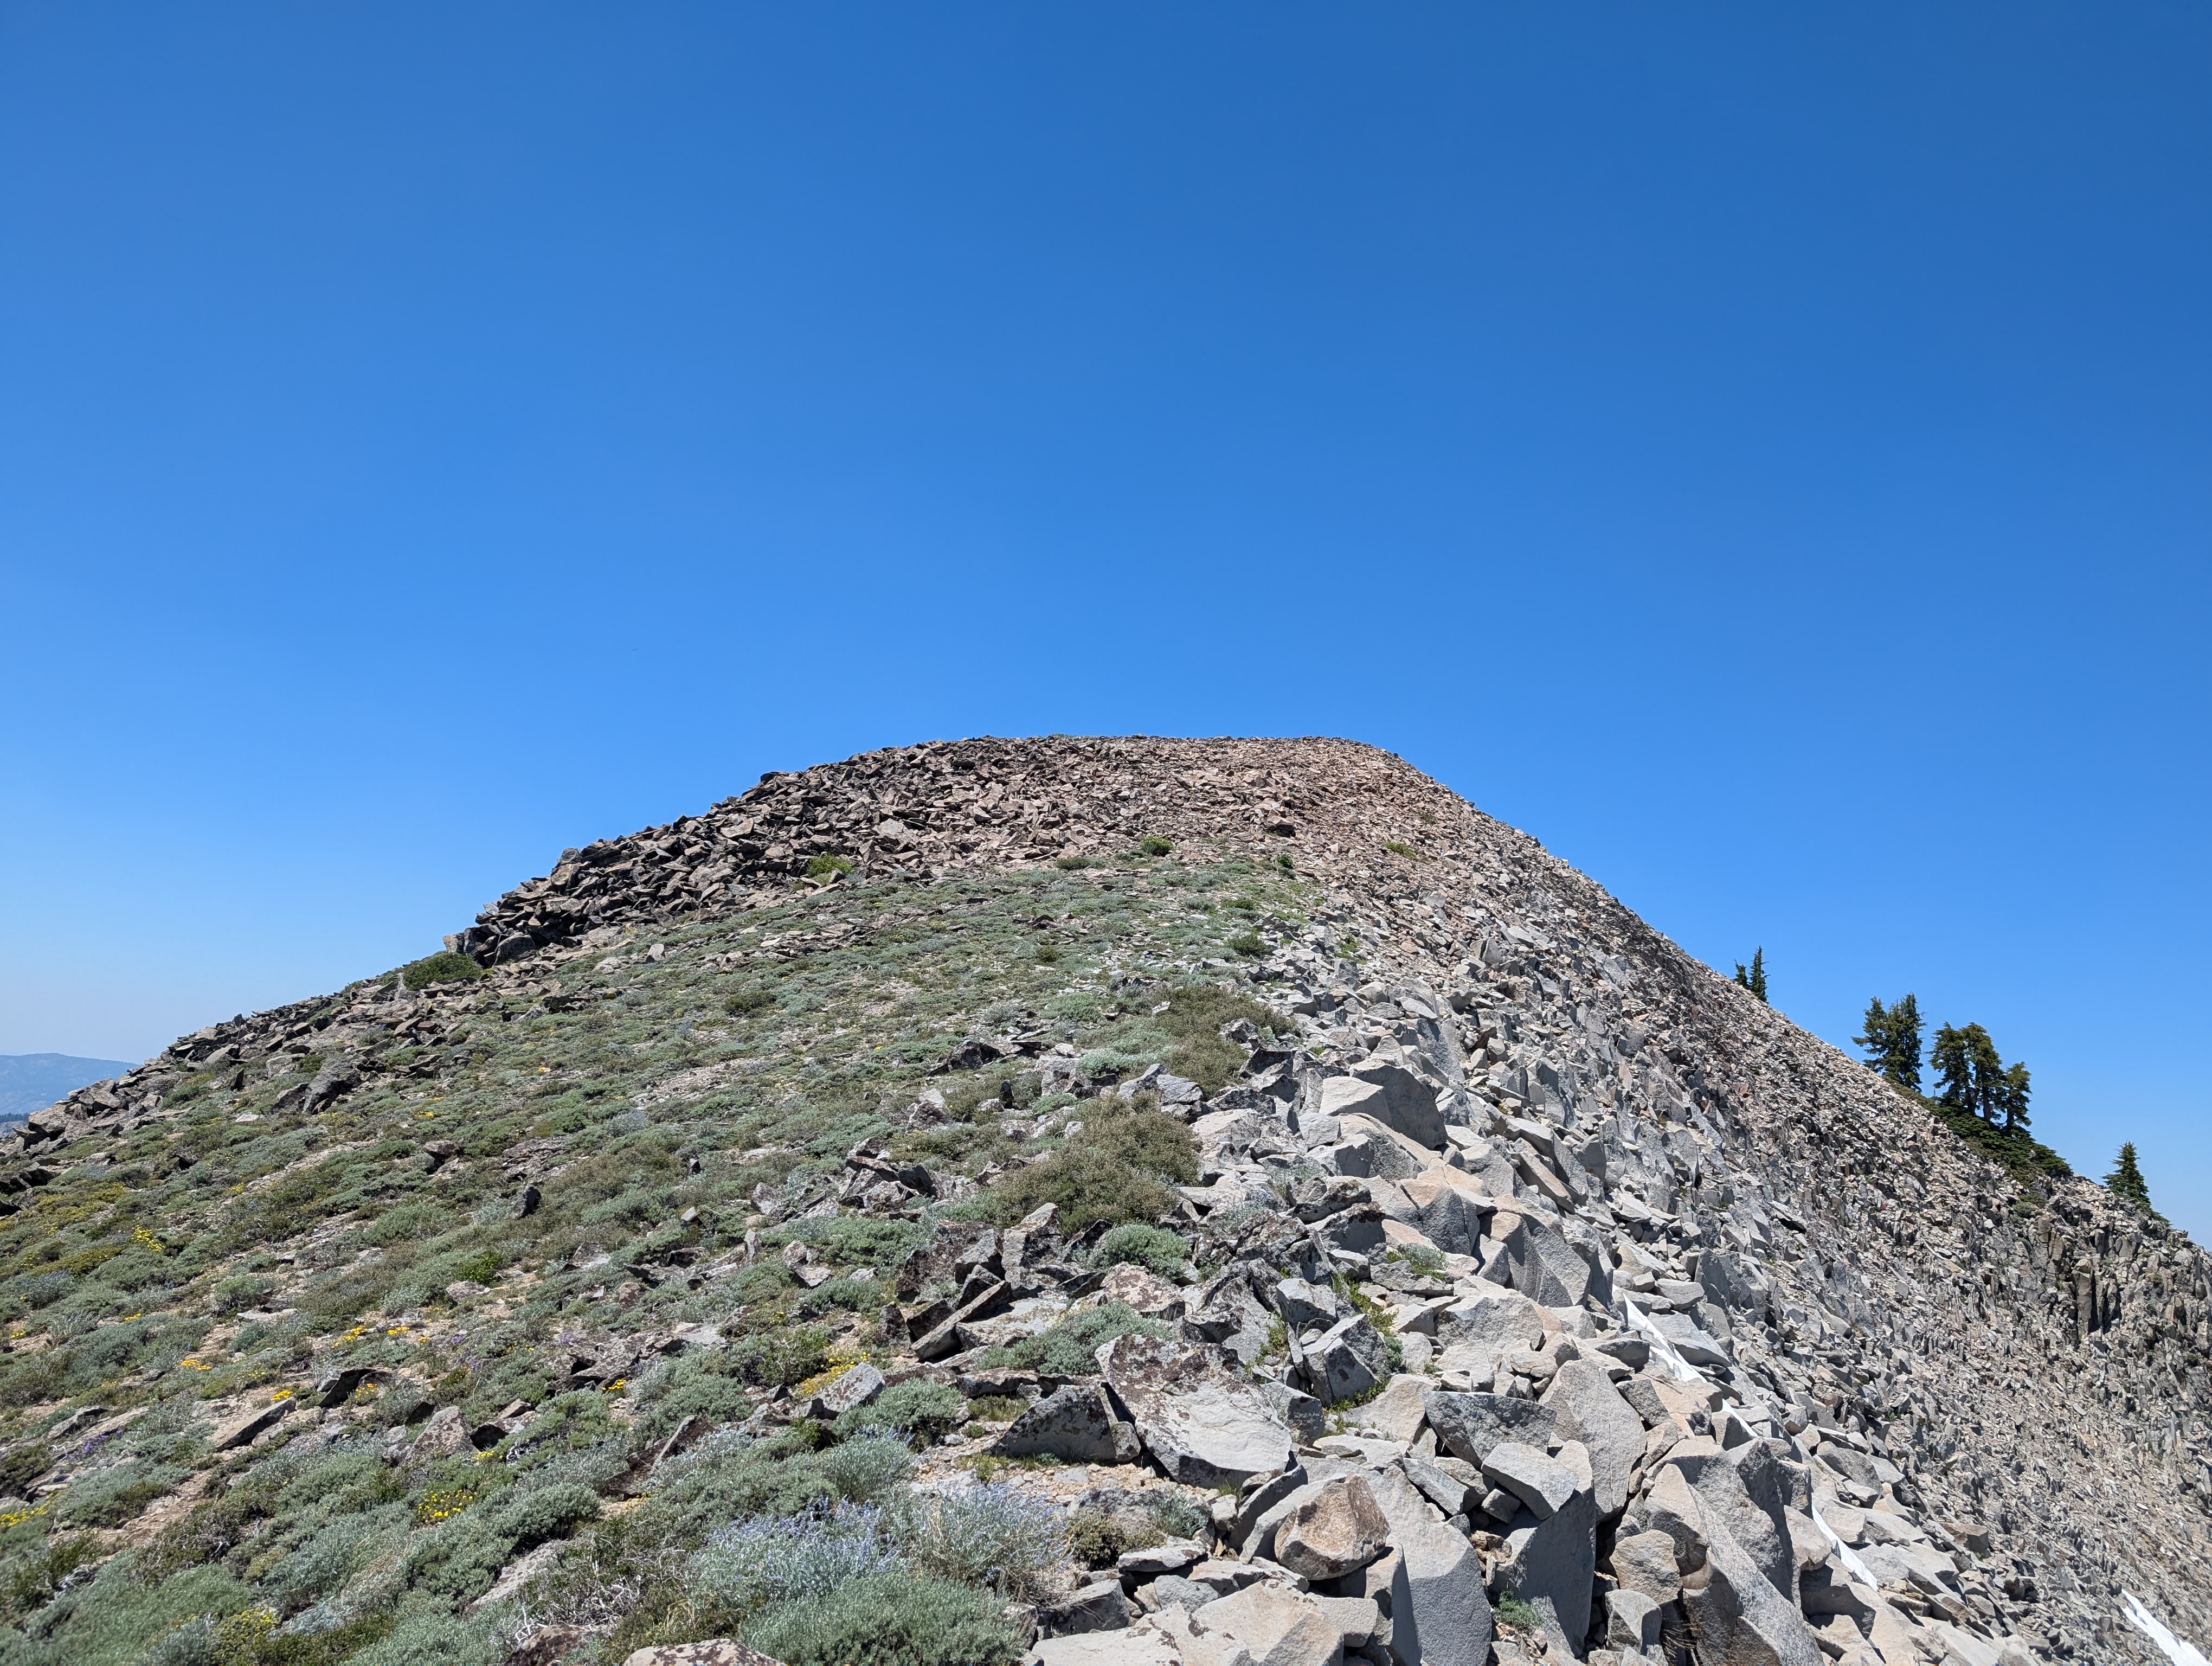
point(1152, 1197)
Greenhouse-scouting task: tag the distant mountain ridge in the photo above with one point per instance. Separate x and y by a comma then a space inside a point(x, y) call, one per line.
point(32, 1081)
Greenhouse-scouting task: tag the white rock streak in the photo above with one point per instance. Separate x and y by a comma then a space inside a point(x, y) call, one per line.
point(2175, 1650)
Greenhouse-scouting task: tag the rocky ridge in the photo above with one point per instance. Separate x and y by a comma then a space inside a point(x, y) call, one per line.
point(1541, 1263)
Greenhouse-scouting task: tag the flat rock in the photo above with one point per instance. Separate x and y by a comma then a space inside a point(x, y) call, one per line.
point(1145, 1292)
point(240, 1428)
point(1172, 1557)
point(1129, 1646)
point(1543, 1483)
point(1203, 1427)
point(1468, 1425)
point(1277, 1626)
point(720, 1652)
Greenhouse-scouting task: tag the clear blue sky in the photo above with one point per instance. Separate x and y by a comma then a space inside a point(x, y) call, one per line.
point(1763, 452)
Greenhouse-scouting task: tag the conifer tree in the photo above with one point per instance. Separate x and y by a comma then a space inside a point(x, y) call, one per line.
point(1756, 982)
point(1952, 1058)
point(1892, 1041)
point(2015, 1099)
point(1988, 1100)
point(1742, 976)
point(2126, 1180)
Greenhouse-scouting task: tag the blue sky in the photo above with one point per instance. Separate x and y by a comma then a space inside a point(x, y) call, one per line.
point(1761, 453)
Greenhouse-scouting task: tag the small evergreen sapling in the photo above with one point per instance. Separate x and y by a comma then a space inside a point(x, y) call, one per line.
point(2127, 1183)
point(1753, 977)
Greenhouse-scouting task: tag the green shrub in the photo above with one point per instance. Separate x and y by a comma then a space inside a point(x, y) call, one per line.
point(1399, 847)
point(111, 1497)
point(821, 868)
point(1248, 945)
point(779, 1358)
point(1422, 1258)
point(1073, 864)
point(868, 1469)
point(236, 1294)
point(859, 1240)
point(1153, 845)
point(990, 1535)
point(1070, 1348)
point(442, 968)
point(749, 1001)
point(1112, 1171)
point(1149, 1247)
point(889, 1620)
point(1514, 1611)
point(529, 1518)
point(921, 1409)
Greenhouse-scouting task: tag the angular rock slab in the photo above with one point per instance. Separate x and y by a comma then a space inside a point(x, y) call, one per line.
point(1439, 1613)
point(1543, 1483)
point(1539, 1262)
point(1393, 1096)
point(1073, 1423)
point(1553, 1564)
point(1591, 1410)
point(1476, 1332)
point(1348, 1361)
point(1202, 1427)
point(1340, 1529)
point(1097, 1607)
point(1468, 1425)
point(1129, 1647)
point(1277, 1626)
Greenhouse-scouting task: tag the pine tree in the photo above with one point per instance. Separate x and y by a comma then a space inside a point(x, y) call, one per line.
point(1874, 1034)
point(2015, 1099)
point(2126, 1180)
point(1892, 1041)
point(1988, 1097)
point(1952, 1058)
point(1742, 976)
point(1756, 982)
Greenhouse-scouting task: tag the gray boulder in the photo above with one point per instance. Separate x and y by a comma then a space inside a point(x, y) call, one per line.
point(1644, 1562)
point(1096, 1608)
point(1203, 1427)
point(1591, 1411)
point(1468, 1425)
point(1383, 1088)
point(1439, 1613)
point(1073, 1423)
point(1745, 1492)
point(1539, 1262)
point(1350, 1360)
point(1551, 1564)
point(1277, 1626)
point(1338, 1529)
point(1475, 1333)
point(1544, 1484)
point(1632, 1621)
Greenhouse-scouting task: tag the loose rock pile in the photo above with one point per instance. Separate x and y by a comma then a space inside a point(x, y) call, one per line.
point(1545, 1267)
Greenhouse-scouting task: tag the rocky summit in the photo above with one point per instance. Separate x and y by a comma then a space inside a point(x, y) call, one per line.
point(1095, 1202)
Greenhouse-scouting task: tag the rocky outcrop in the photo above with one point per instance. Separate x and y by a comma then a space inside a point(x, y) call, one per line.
point(1541, 1263)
